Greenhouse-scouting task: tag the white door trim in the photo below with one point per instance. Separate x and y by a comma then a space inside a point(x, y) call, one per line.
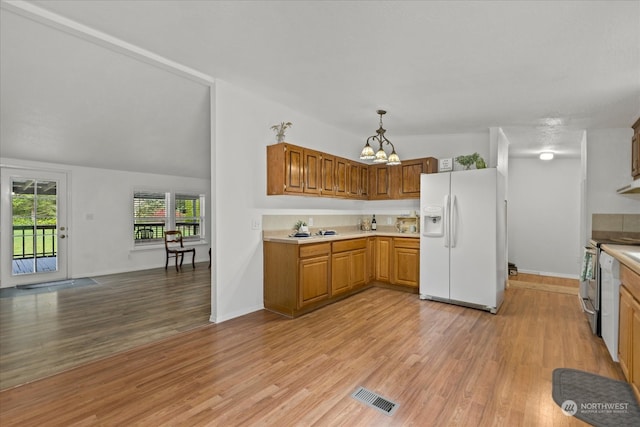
point(7, 278)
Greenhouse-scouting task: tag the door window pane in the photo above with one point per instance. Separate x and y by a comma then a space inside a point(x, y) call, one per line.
point(34, 218)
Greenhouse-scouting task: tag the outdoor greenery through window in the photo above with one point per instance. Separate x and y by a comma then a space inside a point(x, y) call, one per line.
point(156, 212)
point(34, 212)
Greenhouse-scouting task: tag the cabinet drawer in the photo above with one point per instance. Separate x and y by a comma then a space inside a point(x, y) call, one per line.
point(315, 249)
point(349, 245)
point(406, 242)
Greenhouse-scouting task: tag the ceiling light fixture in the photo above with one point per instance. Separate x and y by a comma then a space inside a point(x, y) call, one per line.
point(380, 156)
point(546, 155)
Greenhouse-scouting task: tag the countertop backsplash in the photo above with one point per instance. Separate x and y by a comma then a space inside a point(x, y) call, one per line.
point(273, 225)
point(612, 226)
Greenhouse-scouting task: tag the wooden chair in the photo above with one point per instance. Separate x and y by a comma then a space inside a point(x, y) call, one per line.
point(175, 248)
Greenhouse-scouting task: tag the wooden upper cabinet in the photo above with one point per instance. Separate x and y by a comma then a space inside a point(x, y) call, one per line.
point(296, 170)
point(354, 180)
point(328, 175)
point(379, 182)
point(635, 151)
point(285, 172)
point(408, 176)
point(342, 177)
point(293, 170)
point(312, 167)
point(364, 181)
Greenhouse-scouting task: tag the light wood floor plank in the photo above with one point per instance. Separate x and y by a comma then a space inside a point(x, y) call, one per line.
point(445, 365)
point(42, 334)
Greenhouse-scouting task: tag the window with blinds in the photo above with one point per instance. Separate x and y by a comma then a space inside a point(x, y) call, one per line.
point(149, 216)
point(157, 212)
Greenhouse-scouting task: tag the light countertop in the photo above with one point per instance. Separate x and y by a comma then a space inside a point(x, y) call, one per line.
point(626, 254)
point(283, 238)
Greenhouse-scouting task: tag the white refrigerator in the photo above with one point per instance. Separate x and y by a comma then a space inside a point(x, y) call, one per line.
point(463, 238)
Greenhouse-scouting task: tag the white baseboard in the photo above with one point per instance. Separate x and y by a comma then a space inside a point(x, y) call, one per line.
point(235, 314)
point(546, 273)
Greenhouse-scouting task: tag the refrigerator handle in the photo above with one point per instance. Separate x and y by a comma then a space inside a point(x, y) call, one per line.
point(445, 221)
point(454, 221)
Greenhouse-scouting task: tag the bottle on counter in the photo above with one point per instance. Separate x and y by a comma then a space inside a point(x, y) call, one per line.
point(374, 226)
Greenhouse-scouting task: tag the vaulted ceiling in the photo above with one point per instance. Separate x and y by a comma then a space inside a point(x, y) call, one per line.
point(539, 69)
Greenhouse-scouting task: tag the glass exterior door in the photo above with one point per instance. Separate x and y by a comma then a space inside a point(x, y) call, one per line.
point(33, 217)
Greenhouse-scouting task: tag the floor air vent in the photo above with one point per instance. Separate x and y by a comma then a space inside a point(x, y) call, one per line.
point(374, 400)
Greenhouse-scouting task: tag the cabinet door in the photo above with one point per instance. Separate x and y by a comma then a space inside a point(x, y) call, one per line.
point(340, 270)
point(353, 188)
point(379, 182)
point(406, 266)
point(624, 331)
point(634, 348)
point(342, 177)
point(294, 169)
point(312, 171)
point(409, 178)
point(328, 175)
point(314, 280)
point(358, 272)
point(371, 259)
point(364, 181)
point(383, 259)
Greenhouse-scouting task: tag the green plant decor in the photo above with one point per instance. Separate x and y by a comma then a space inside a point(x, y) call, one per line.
point(298, 225)
point(281, 129)
point(471, 159)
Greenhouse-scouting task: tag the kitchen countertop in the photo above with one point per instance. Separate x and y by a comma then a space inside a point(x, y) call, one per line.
point(340, 236)
point(625, 254)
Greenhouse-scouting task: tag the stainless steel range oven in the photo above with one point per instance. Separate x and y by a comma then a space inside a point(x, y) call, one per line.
point(590, 285)
point(591, 278)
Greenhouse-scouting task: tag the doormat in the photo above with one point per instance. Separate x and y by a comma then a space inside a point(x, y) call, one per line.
point(597, 400)
point(40, 288)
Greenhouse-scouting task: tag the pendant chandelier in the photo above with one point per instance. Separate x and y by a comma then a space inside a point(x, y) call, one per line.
point(380, 156)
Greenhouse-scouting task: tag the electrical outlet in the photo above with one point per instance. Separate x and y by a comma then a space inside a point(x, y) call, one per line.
point(389, 220)
point(310, 222)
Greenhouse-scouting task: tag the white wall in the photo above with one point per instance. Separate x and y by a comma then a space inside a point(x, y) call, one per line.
point(609, 168)
point(104, 244)
point(544, 214)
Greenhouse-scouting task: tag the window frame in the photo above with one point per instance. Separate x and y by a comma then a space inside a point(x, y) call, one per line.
point(169, 219)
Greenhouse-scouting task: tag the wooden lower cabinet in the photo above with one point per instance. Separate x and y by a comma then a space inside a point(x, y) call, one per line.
point(314, 280)
point(370, 259)
point(301, 278)
point(406, 262)
point(629, 327)
point(635, 348)
point(348, 264)
point(383, 259)
point(624, 331)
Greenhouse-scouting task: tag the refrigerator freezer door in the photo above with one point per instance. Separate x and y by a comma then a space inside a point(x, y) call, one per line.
point(434, 253)
point(473, 258)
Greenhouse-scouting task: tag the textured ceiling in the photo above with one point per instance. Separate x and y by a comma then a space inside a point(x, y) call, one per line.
point(437, 67)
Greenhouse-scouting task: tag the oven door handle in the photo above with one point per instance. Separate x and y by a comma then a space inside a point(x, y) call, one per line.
point(584, 307)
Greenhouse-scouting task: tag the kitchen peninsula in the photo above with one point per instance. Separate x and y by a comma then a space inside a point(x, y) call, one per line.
point(303, 274)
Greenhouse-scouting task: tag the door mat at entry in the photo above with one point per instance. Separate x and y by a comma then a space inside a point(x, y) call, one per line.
point(595, 399)
point(39, 288)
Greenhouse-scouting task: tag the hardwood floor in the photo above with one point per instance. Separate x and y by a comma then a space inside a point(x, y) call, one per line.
point(546, 283)
point(46, 333)
point(443, 364)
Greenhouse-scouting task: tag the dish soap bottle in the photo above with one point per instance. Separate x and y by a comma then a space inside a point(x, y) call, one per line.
point(374, 226)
